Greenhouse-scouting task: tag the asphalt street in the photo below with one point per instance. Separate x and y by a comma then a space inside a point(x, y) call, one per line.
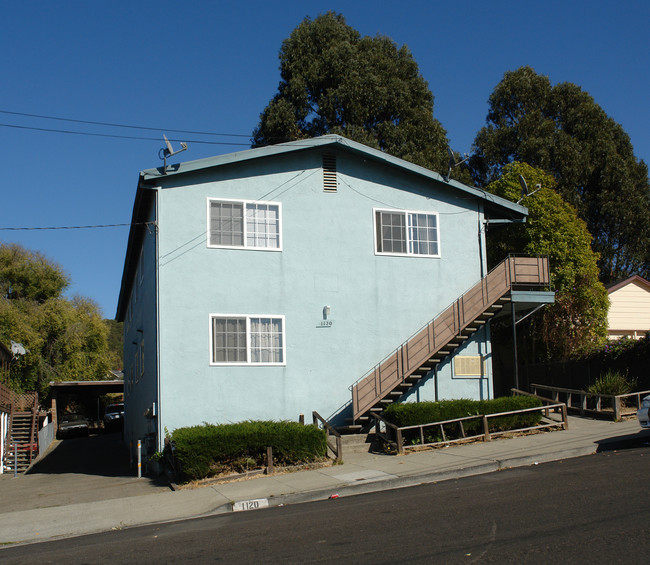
point(588, 509)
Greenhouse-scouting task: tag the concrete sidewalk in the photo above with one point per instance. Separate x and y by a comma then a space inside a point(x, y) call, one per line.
point(43, 513)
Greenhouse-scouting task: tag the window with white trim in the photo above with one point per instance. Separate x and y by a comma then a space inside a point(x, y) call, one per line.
point(244, 224)
point(247, 340)
point(400, 232)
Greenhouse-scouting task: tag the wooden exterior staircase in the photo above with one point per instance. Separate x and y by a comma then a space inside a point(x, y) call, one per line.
point(22, 437)
point(415, 358)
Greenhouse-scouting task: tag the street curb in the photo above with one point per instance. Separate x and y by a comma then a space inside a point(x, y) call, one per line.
point(378, 485)
point(347, 490)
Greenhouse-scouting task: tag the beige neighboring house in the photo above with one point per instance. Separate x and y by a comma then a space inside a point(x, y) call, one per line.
point(629, 309)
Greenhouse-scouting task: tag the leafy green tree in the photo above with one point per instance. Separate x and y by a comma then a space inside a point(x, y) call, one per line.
point(365, 88)
point(578, 319)
point(66, 339)
point(115, 343)
point(562, 130)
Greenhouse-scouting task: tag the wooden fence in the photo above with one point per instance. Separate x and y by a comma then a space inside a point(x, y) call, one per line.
point(612, 405)
point(394, 435)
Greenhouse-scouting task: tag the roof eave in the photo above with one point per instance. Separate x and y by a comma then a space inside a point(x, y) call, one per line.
point(509, 210)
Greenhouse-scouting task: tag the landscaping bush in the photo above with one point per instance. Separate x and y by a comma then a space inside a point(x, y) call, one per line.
point(612, 382)
point(207, 450)
point(412, 414)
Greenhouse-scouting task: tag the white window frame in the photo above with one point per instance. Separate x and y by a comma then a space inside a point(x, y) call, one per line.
point(245, 203)
point(248, 362)
point(409, 241)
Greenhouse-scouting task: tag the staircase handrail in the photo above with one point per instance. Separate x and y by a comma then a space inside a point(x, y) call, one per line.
point(338, 451)
point(530, 271)
point(512, 255)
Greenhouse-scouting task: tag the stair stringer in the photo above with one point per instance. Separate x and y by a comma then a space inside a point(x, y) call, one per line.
point(404, 367)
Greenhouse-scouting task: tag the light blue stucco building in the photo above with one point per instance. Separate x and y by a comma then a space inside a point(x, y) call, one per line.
point(262, 284)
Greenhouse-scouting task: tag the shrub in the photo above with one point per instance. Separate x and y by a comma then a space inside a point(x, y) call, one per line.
point(204, 451)
point(612, 382)
point(412, 414)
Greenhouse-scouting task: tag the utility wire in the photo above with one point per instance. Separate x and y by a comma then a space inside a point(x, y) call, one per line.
point(121, 136)
point(76, 227)
point(121, 125)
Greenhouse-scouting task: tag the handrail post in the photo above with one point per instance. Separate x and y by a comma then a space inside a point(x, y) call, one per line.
point(400, 442)
point(617, 407)
point(486, 429)
point(565, 418)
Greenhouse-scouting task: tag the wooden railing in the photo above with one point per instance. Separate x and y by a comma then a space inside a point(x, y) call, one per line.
point(337, 448)
point(394, 435)
point(410, 356)
point(591, 403)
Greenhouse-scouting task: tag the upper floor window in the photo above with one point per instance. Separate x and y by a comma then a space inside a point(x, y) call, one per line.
point(238, 223)
point(400, 232)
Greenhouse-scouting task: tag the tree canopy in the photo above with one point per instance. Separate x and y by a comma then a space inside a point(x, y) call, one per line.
point(67, 339)
point(562, 130)
point(578, 319)
point(364, 88)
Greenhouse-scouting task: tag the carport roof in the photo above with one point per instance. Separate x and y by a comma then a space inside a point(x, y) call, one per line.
point(98, 386)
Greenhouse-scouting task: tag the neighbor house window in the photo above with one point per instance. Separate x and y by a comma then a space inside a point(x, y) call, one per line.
point(407, 233)
point(247, 340)
point(253, 225)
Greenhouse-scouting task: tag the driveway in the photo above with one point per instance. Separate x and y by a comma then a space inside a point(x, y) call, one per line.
point(76, 470)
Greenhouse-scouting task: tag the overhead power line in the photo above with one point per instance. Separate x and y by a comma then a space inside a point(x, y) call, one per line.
point(70, 132)
point(76, 227)
point(109, 124)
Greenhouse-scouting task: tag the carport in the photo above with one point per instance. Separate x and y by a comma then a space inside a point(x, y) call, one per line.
point(85, 393)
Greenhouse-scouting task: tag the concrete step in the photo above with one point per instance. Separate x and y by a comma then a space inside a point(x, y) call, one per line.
point(357, 443)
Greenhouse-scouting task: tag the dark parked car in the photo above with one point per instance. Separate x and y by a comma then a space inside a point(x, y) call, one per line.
point(114, 416)
point(73, 425)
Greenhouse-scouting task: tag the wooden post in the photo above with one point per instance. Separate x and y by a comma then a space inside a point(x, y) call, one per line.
point(339, 449)
point(565, 419)
point(486, 429)
point(583, 404)
point(400, 442)
point(269, 460)
point(617, 407)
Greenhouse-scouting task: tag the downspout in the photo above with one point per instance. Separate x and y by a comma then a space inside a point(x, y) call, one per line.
point(160, 430)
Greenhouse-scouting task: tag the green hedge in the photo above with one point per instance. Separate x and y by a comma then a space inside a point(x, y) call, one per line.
point(417, 413)
point(204, 451)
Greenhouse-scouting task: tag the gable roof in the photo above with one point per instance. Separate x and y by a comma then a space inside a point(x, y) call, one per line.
point(495, 206)
point(514, 211)
point(632, 279)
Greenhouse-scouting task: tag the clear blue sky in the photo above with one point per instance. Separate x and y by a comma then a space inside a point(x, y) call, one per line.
point(213, 67)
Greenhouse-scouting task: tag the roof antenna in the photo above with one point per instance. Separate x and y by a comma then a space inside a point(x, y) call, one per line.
point(452, 162)
point(168, 151)
point(524, 189)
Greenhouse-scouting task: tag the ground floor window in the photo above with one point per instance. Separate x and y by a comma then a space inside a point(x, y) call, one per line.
point(245, 339)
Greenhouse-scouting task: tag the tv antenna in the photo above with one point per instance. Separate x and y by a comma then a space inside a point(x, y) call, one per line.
point(452, 162)
point(168, 151)
point(524, 189)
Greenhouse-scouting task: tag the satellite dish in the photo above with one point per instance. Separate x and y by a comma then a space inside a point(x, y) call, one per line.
point(452, 162)
point(524, 189)
point(168, 150)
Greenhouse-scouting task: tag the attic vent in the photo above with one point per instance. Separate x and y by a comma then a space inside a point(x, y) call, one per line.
point(329, 173)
